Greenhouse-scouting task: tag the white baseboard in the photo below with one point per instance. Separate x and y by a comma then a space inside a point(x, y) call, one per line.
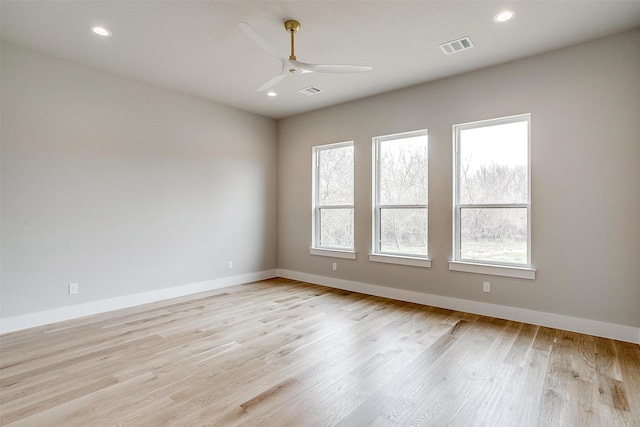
point(551, 320)
point(574, 324)
point(16, 323)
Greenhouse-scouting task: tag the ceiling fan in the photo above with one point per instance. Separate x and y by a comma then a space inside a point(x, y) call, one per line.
point(291, 65)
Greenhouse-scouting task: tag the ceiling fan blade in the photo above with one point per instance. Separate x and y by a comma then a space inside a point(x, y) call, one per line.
point(273, 81)
point(318, 68)
point(261, 41)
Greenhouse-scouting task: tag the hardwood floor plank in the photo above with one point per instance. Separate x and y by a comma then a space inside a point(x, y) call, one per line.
point(555, 394)
point(544, 339)
point(629, 360)
point(521, 346)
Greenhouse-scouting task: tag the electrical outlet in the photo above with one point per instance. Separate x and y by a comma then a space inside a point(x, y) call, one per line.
point(335, 266)
point(73, 288)
point(230, 265)
point(486, 287)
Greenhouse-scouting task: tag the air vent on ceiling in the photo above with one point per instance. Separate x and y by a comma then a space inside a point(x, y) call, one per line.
point(311, 90)
point(455, 46)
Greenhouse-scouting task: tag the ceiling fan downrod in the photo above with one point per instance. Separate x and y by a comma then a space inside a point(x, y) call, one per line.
point(292, 27)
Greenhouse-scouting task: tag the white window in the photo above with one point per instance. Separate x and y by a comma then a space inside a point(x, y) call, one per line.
point(492, 197)
point(333, 200)
point(400, 199)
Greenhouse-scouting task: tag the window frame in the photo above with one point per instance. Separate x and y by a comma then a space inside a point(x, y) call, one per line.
point(376, 254)
point(316, 248)
point(458, 263)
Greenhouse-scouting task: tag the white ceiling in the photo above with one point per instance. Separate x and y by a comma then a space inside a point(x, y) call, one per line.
point(197, 47)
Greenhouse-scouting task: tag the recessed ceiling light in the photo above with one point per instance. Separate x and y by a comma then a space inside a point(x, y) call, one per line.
point(503, 16)
point(272, 94)
point(101, 31)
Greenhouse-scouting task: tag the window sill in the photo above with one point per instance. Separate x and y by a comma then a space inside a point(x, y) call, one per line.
point(401, 260)
point(495, 270)
point(335, 253)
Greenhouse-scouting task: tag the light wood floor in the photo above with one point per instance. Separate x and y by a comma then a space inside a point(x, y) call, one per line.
point(285, 353)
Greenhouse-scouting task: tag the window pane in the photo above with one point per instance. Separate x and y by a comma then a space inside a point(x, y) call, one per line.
point(493, 164)
point(336, 228)
point(403, 231)
point(494, 234)
point(403, 171)
point(335, 176)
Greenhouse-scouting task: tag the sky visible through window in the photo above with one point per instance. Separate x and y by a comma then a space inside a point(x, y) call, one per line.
point(504, 144)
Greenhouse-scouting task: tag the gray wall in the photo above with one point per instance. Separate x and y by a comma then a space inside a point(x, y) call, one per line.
point(585, 107)
point(123, 187)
